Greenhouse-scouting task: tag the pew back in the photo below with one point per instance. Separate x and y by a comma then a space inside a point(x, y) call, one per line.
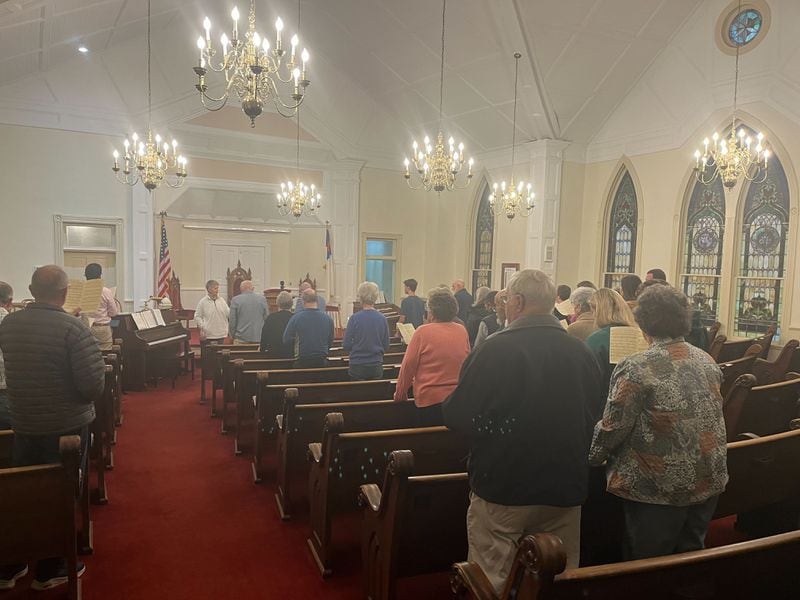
point(761, 410)
point(6, 447)
point(731, 371)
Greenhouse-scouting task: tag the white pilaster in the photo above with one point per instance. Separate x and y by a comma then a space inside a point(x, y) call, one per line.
point(345, 189)
point(546, 158)
point(142, 248)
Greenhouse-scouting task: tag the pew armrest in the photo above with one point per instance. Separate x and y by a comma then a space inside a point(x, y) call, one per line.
point(743, 437)
point(469, 581)
point(315, 452)
point(370, 497)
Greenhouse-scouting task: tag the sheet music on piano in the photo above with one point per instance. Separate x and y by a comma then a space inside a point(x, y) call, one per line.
point(158, 316)
point(139, 320)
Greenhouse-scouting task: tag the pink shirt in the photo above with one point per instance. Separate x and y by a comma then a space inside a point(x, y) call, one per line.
point(432, 363)
point(107, 308)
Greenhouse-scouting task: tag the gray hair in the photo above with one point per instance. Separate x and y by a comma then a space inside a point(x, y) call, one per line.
point(663, 312)
point(368, 293)
point(309, 296)
point(6, 293)
point(247, 286)
point(211, 283)
point(480, 295)
point(284, 300)
point(580, 298)
point(536, 287)
point(49, 282)
point(442, 304)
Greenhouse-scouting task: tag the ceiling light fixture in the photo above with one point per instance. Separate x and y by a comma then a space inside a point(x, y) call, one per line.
point(147, 160)
point(513, 198)
point(738, 156)
point(436, 169)
point(253, 68)
point(83, 49)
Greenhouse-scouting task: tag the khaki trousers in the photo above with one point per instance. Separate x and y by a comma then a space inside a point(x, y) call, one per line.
point(103, 335)
point(494, 531)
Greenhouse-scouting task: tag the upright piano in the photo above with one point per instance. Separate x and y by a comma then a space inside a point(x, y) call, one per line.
point(149, 353)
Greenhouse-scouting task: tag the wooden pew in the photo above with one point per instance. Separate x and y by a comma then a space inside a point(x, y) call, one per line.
point(268, 403)
point(300, 425)
point(772, 372)
point(113, 357)
point(37, 512)
point(343, 462)
point(221, 355)
point(764, 568)
point(722, 350)
point(102, 432)
point(394, 348)
point(6, 447)
point(761, 410)
point(731, 371)
point(211, 365)
point(415, 526)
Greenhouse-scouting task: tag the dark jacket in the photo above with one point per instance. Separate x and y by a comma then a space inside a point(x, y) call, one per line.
point(475, 315)
point(314, 332)
point(464, 299)
point(272, 335)
point(525, 396)
point(54, 370)
point(491, 323)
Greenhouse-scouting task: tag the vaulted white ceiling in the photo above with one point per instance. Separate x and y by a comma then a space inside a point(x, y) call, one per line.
point(374, 69)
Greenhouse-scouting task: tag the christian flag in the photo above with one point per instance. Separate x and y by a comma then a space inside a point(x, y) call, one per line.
point(164, 264)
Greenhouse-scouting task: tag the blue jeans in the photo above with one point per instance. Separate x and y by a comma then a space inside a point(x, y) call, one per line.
point(5, 412)
point(365, 372)
point(659, 530)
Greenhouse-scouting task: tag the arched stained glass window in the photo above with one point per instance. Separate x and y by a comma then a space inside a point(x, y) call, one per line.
point(702, 250)
point(622, 232)
point(763, 254)
point(484, 243)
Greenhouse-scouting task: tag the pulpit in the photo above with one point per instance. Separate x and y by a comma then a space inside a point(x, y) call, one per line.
point(235, 279)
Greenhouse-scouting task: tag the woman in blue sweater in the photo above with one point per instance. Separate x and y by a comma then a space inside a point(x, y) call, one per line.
point(367, 336)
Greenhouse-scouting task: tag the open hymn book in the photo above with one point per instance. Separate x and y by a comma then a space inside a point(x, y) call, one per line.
point(84, 295)
point(147, 318)
point(624, 342)
point(406, 331)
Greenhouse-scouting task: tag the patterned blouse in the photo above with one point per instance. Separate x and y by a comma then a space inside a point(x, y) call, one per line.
point(662, 432)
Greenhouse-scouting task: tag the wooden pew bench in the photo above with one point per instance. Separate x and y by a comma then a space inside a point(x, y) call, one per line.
point(6, 447)
point(37, 512)
point(102, 433)
point(415, 526)
point(211, 365)
point(761, 410)
point(113, 357)
point(300, 425)
point(767, 372)
point(732, 370)
point(268, 404)
point(224, 362)
point(764, 568)
point(722, 350)
point(343, 462)
point(394, 348)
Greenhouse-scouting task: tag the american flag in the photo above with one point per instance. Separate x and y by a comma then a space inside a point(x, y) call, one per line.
point(164, 264)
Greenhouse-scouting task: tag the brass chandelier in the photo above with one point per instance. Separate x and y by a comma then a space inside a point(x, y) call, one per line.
point(513, 198)
point(437, 168)
point(253, 70)
point(738, 156)
point(148, 160)
point(296, 198)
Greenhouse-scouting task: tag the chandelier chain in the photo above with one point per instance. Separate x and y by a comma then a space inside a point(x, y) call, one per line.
point(736, 75)
point(514, 123)
point(441, 68)
point(149, 81)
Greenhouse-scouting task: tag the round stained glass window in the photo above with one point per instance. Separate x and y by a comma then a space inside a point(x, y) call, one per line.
point(745, 27)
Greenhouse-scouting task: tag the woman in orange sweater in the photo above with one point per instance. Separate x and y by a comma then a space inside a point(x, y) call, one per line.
point(433, 359)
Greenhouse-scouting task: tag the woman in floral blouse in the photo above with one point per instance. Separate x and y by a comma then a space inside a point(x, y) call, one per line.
point(662, 435)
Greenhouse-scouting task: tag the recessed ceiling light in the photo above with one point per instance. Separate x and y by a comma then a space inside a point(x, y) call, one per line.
point(83, 49)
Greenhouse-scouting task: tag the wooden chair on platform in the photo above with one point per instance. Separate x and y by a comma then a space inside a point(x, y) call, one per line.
point(761, 410)
point(413, 525)
point(763, 568)
point(342, 462)
point(234, 278)
point(37, 512)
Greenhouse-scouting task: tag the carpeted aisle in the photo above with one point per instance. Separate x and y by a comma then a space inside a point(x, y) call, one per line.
point(185, 521)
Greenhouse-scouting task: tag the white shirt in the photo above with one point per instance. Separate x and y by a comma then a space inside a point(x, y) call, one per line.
point(211, 317)
point(107, 308)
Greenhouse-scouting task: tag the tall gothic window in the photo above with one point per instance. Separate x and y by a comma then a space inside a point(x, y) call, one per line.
point(702, 249)
point(622, 231)
point(763, 253)
point(484, 242)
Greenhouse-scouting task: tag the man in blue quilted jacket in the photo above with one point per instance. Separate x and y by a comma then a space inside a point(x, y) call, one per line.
point(54, 373)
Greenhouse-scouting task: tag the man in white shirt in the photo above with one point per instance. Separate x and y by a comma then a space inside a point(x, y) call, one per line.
point(212, 315)
point(101, 326)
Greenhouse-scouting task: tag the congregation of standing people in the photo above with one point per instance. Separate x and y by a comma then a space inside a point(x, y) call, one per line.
point(524, 373)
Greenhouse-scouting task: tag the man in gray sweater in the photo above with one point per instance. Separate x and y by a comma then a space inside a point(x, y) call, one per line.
point(248, 313)
point(54, 373)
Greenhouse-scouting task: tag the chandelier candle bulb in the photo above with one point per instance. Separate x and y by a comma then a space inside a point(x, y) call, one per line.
point(278, 29)
point(294, 41)
point(235, 17)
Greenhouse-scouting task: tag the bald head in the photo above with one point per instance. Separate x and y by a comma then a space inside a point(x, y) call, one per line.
point(458, 284)
point(49, 285)
point(304, 286)
point(247, 286)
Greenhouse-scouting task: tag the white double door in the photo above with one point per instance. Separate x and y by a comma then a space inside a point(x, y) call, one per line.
point(221, 256)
